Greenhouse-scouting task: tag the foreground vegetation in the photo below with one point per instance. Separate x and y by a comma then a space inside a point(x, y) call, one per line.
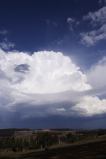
point(57, 144)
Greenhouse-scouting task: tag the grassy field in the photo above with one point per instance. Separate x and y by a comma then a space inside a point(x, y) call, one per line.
point(92, 149)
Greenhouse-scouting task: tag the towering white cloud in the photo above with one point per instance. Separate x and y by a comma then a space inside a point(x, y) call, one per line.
point(48, 82)
point(42, 72)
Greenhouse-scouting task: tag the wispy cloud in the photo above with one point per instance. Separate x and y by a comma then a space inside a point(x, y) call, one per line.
point(97, 20)
point(3, 32)
point(102, 2)
point(51, 23)
point(98, 17)
point(6, 45)
point(72, 22)
point(92, 37)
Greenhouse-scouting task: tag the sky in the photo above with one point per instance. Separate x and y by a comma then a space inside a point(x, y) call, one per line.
point(53, 64)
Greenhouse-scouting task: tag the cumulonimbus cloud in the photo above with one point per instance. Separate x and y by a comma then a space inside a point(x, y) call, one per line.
point(47, 81)
point(42, 72)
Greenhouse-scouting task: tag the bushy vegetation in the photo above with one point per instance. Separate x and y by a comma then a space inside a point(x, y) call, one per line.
point(43, 140)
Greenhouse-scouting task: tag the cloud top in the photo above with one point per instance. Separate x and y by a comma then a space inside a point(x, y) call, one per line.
point(42, 72)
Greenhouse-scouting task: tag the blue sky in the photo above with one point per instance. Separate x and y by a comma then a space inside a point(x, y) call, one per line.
point(53, 61)
point(41, 25)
